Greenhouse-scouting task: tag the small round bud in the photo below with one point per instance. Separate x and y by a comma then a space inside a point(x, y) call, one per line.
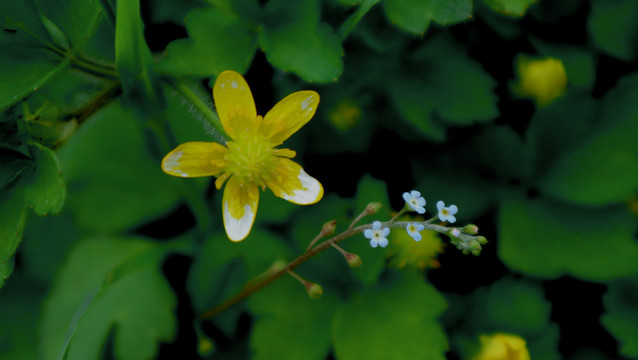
point(481, 240)
point(328, 228)
point(476, 252)
point(454, 232)
point(354, 260)
point(470, 229)
point(315, 291)
point(373, 208)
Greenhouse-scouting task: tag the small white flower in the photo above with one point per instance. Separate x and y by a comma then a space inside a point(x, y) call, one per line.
point(415, 201)
point(377, 235)
point(414, 230)
point(454, 232)
point(446, 213)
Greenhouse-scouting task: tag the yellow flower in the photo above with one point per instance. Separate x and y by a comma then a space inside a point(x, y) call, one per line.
point(405, 252)
point(544, 80)
point(345, 114)
point(249, 160)
point(502, 347)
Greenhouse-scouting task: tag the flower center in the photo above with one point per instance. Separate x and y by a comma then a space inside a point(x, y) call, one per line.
point(377, 234)
point(250, 157)
point(445, 212)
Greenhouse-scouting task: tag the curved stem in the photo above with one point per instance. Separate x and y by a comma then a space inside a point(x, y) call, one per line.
point(257, 284)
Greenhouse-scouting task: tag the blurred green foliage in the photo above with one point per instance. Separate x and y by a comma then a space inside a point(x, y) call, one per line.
point(414, 94)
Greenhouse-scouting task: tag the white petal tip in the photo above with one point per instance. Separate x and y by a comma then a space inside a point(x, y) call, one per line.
point(310, 193)
point(238, 229)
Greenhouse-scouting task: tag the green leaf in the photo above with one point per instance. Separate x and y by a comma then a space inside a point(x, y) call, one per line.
point(139, 306)
point(514, 8)
point(13, 217)
point(415, 15)
point(288, 318)
point(550, 239)
point(295, 40)
point(221, 268)
point(45, 192)
point(218, 40)
point(415, 104)
point(611, 30)
point(6, 268)
point(12, 164)
point(351, 22)
point(513, 306)
point(470, 193)
point(604, 168)
point(443, 80)
point(113, 181)
point(25, 65)
point(18, 340)
point(46, 242)
point(558, 127)
point(502, 151)
point(395, 321)
point(579, 63)
point(621, 314)
point(76, 20)
point(28, 57)
point(463, 92)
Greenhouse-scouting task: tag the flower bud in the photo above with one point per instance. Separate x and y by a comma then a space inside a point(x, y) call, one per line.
point(454, 232)
point(328, 228)
point(373, 208)
point(353, 260)
point(470, 229)
point(481, 240)
point(315, 291)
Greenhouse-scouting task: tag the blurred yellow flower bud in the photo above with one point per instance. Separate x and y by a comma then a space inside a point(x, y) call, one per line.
point(502, 347)
point(345, 114)
point(406, 253)
point(544, 80)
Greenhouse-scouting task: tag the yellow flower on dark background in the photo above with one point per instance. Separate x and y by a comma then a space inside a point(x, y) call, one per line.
point(250, 159)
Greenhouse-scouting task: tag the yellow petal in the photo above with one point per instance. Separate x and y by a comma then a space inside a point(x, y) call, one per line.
point(195, 159)
point(289, 115)
point(234, 103)
point(289, 181)
point(239, 206)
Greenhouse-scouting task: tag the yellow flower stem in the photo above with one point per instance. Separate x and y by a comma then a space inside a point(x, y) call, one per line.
point(257, 284)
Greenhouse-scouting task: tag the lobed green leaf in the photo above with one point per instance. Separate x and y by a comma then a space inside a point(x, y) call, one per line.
point(550, 239)
point(45, 191)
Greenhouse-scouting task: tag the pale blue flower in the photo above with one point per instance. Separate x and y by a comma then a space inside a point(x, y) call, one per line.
point(414, 230)
point(377, 235)
point(415, 201)
point(446, 213)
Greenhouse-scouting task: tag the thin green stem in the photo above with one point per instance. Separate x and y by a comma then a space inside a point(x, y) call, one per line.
point(354, 19)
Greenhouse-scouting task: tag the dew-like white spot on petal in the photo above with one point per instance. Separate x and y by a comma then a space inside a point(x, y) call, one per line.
point(171, 164)
point(234, 84)
point(305, 105)
point(238, 229)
